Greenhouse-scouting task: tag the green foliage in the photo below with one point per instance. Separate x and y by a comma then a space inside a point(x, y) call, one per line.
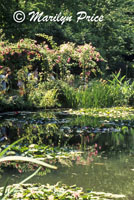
point(48, 39)
point(49, 99)
point(11, 103)
point(26, 55)
point(68, 94)
point(57, 191)
point(45, 91)
point(20, 158)
point(99, 93)
point(57, 93)
point(4, 197)
point(23, 53)
point(84, 56)
point(10, 146)
point(96, 95)
point(4, 190)
point(113, 37)
point(120, 90)
point(41, 97)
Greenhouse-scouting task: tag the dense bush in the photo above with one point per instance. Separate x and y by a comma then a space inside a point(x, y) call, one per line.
point(26, 56)
point(57, 93)
point(113, 37)
point(54, 66)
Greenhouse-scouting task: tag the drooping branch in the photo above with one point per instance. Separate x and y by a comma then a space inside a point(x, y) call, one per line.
point(26, 159)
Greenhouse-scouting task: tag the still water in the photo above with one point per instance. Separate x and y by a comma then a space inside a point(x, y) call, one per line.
point(110, 170)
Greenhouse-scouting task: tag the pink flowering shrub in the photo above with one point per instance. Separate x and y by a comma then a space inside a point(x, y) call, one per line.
point(61, 59)
point(87, 57)
point(23, 53)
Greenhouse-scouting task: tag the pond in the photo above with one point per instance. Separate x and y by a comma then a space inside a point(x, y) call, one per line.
point(106, 143)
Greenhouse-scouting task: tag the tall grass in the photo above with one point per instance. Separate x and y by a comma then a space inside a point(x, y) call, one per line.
point(95, 95)
point(100, 93)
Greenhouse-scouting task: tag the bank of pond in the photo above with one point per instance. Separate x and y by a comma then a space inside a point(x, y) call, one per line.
point(87, 154)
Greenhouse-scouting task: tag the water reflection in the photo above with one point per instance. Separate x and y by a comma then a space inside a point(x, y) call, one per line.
point(109, 174)
point(104, 169)
point(60, 129)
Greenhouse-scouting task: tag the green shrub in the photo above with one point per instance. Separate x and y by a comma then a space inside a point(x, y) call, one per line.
point(42, 97)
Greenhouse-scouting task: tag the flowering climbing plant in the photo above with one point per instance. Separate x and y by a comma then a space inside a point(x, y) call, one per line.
point(88, 58)
point(27, 52)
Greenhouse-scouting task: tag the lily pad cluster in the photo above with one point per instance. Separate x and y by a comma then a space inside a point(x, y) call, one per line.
point(43, 153)
point(55, 192)
point(114, 112)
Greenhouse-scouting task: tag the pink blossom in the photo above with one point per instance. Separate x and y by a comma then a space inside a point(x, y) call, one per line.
point(78, 158)
point(88, 73)
point(95, 145)
point(68, 60)
point(21, 40)
point(29, 53)
point(20, 170)
point(76, 195)
point(96, 152)
point(97, 59)
point(1, 67)
point(57, 61)
point(59, 57)
point(99, 147)
point(90, 154)
point(19, 195)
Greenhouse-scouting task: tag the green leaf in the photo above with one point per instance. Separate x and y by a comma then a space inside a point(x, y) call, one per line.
point(11, 145)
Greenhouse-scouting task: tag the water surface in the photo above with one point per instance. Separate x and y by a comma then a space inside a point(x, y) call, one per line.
point(110, 170)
